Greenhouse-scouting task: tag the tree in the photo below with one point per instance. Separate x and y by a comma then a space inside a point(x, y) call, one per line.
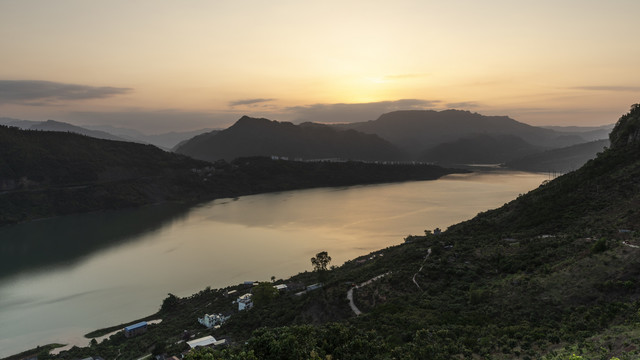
point(263, 293)
point(169, 303)
point(320, 261)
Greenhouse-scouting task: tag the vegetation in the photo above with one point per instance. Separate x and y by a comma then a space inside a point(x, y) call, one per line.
point(44, 174)
point(548, 276)
point(263, 137)
point(320, 261)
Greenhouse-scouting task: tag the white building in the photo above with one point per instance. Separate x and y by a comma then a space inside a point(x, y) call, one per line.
point(245, 302)
point(203, 341)
point(212, 320)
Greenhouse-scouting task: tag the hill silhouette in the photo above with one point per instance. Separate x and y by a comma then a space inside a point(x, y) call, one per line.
point(263, 137)
point(559, 160)
point(415, 131)
point(479, 149)
point(48, 173)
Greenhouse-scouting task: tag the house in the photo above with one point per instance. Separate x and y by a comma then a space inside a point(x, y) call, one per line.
point(245, 302)
point(135, 329)
point(314, 286)
point(212, 320)
point(280, 287)
point(207, 341)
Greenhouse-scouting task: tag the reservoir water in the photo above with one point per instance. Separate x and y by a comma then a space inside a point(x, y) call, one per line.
point(63, 277)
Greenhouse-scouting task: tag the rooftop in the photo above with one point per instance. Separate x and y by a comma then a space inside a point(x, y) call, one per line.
point(136, 326)
point(203, 341)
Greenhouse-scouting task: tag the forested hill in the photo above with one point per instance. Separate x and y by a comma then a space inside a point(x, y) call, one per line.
point(416, 131)
point(45, 173)
point(552, 275)
point(604, 193)
point(264, 137)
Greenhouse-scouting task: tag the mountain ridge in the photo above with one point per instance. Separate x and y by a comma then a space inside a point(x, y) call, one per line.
point(263, 137)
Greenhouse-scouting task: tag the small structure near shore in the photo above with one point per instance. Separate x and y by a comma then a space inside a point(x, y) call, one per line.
point(212, 320)
point(245, 302)
point(135, 329)
point(207, 341)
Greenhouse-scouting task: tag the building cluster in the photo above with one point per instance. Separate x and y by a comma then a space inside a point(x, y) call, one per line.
point(214, 321)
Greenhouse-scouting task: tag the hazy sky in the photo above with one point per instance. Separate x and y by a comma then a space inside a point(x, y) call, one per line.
point(178, 65)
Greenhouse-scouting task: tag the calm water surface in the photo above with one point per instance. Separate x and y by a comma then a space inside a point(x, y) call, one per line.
point(119, 266)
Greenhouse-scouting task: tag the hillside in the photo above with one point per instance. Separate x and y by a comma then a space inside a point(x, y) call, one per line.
point(46, 173)
point(52, 125)
point(551, 275)
point(263, 137)
point(479, 149)
point(415, 131)
point(560, 160)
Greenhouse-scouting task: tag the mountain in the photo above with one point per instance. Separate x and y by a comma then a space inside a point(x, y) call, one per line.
point(22, 124)
point(589, 133)
point(550, 275)
point(45, 173)
point(560, 160)
point(415, 131)
point(49, 173)
point(52, 125)
point(479, 149)
point(166, 141)
point(263, 137)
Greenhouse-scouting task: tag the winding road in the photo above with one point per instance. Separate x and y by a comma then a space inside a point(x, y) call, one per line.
point(423, 261)
point(350, 292)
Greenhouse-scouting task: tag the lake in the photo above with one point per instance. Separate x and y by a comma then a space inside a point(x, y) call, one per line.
point(63, 277)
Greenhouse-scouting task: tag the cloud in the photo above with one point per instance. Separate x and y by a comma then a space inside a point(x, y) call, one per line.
point(463, 105)
point(248, 102)
point(41, 93)
point(607, 88)
point(346, 113)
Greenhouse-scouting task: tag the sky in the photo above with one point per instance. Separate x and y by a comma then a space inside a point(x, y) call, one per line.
point(159, 65)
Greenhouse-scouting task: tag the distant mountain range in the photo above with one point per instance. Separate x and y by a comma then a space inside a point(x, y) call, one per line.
point(445, 137)
point(419, 130)
point(52, 125)
point(450, 137)
point(560, 160)
point(263, 137)
point(164, 140)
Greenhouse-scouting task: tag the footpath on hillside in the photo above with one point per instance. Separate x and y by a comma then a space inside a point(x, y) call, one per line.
point(350, 292)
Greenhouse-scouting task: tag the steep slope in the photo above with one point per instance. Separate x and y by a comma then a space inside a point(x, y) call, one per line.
point(479, 149)
point(560, 160)
point(417, 130)
point(263, 137)
point(44, 173)
point(546, 276)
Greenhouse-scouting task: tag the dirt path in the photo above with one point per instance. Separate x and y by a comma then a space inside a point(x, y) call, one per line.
point(629, 245)
point(423, 261)
point(350, 292)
